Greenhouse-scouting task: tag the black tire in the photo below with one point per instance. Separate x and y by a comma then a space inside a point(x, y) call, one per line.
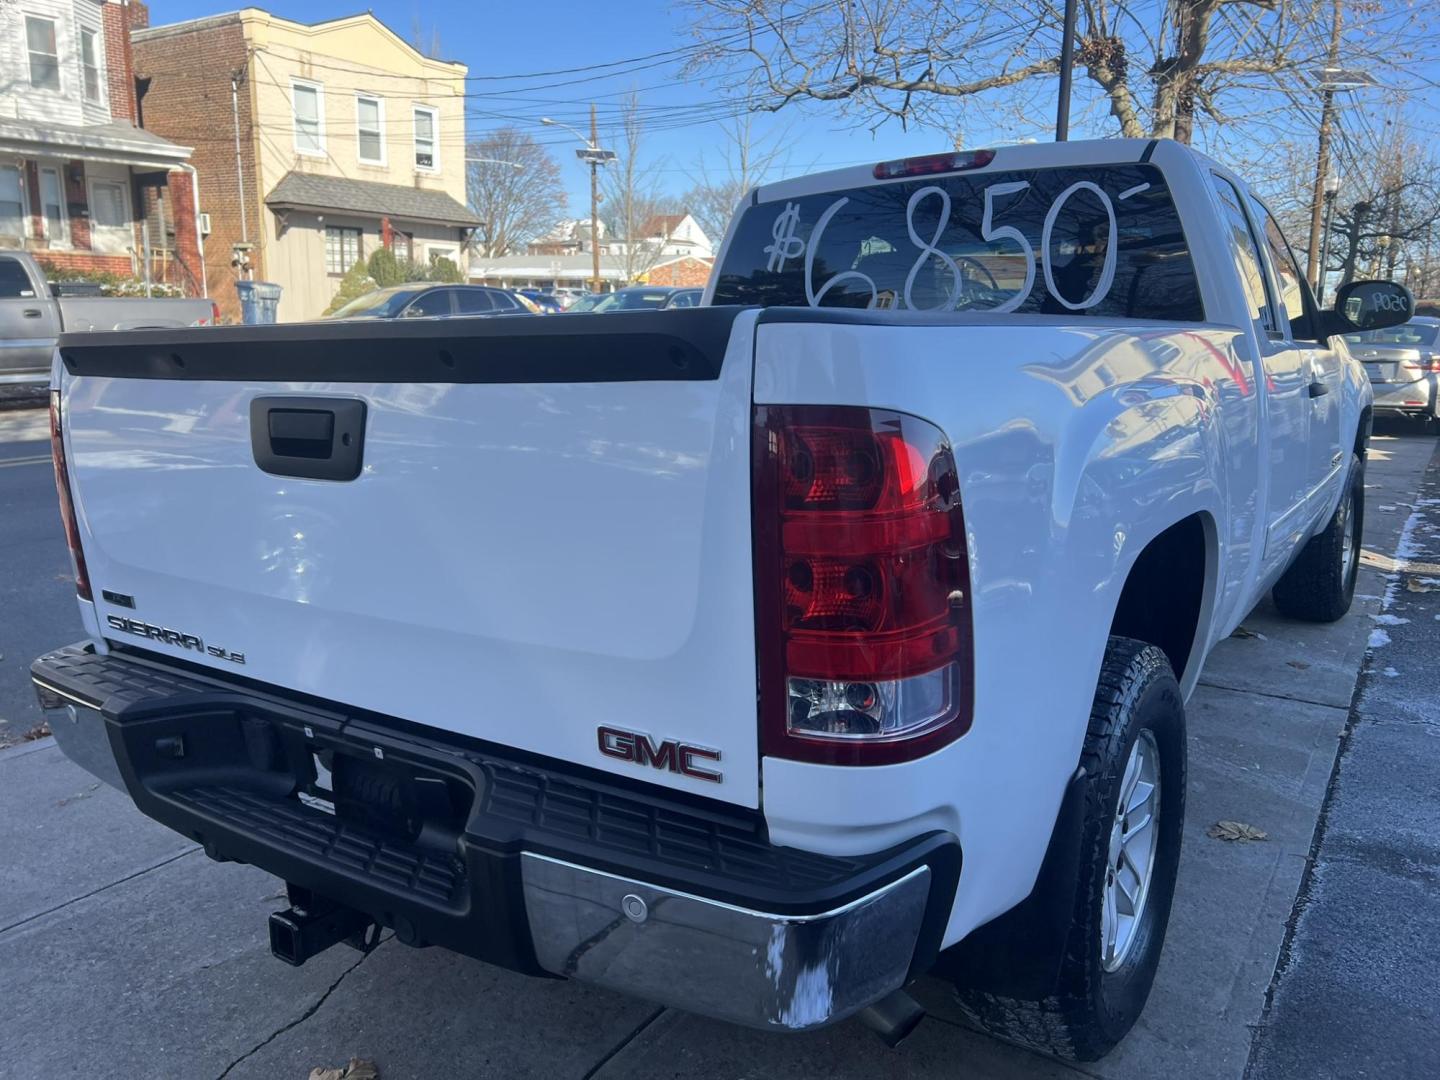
point(1320, 583)
point(1093, 1008)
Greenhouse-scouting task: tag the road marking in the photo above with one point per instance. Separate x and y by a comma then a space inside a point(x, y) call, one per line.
point(10, 463)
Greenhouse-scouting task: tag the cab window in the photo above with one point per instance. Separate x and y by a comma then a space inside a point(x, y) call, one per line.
point(1294, 292)
point(1248, 263)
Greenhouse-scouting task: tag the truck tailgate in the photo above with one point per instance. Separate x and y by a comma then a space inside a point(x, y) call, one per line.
point(550, 533)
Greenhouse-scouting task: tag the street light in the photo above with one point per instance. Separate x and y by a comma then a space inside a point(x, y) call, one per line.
point(593, 156)
point(495, 161)
point(1332, 188)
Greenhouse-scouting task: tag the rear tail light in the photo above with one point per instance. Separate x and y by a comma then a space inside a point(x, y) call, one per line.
point(214, 313)
point(862, 586)
point(67, 504)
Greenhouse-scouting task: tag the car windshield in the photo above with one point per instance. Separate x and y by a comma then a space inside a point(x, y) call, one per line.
point(633, 299)
point(1408, 334)
point(1092, 240)
point(587, 303)
point(380, 304)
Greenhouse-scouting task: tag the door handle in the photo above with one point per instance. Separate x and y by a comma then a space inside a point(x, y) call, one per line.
point(31, 313)
point(316, 438)
point(1318, 388)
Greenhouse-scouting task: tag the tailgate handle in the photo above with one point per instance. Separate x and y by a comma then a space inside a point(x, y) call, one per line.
point(1318, 389)
point(315, 438)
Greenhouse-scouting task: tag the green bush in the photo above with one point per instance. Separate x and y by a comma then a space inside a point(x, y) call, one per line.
point(355, 284)
point(385, 270)
point(110, 284)
point(445, 270)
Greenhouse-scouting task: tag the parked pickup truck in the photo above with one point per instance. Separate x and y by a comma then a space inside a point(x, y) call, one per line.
point(754, 658)
point(31, 318)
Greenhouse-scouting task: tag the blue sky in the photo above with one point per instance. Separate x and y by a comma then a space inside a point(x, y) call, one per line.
point(519, 38)
point(499, 40)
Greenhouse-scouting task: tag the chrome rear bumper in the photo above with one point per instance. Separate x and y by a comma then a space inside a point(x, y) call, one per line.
point(784, 960)
point(748, 967)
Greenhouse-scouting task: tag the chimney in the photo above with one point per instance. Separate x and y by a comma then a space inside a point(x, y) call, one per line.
point(118, 18)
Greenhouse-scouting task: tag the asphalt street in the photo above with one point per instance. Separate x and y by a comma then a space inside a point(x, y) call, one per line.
point(1364, 955)
point(37, 591)
point(124, 952)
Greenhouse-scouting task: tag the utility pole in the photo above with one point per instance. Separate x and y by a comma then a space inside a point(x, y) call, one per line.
point(1067, 62)
point(593, 156)
point(1322, 156)
point(594, 206)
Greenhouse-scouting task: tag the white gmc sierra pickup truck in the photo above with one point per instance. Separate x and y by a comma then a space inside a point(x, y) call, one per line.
point(756, 658)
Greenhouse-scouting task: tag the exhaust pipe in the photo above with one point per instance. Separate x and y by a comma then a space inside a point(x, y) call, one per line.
point(893, 1017)
point(312, 924)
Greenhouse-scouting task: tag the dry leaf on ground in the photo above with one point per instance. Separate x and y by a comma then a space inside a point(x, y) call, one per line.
point(1298, 665)
point(355, 1070)
point(1234, 830)
point(1246, 632)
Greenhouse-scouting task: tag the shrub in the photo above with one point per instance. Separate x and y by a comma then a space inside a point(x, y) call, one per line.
point(355, 284)
point(445, 270)
point(385, 269)
point(110, 284)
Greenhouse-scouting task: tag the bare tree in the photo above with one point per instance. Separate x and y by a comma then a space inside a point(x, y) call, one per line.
point(514, 205)
point(1156, 69)
point(740, 162)
point(631, 198)
point(1388, 223)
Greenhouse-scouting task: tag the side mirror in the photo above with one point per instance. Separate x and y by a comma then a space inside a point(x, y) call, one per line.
point(1369, 305)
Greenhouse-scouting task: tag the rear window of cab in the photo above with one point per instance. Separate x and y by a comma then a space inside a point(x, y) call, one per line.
point(1101, 240)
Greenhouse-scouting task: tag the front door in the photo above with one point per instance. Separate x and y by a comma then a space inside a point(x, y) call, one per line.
point(1325, 457)
point(1285, 373)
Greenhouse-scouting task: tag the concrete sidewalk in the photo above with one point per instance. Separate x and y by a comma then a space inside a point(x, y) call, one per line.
point(125, 952)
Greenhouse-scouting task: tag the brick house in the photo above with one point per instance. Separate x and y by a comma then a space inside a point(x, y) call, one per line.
point(315, 145)
point(82, 186)
point(685, 271)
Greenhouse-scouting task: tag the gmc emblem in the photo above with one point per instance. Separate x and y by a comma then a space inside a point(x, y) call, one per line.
point(676, 757)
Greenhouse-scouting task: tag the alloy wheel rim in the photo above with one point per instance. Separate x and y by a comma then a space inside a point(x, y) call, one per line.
point(1134, 838)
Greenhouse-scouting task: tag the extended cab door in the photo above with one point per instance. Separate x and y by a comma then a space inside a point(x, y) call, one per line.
point(1286, 381)
point(27, 322)
point(1325, 458)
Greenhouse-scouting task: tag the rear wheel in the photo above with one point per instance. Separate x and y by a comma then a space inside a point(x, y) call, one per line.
point(1134, 759)
point(1320, 583)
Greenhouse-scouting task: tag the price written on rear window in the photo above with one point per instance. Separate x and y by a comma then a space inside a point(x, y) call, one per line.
point(787, 245)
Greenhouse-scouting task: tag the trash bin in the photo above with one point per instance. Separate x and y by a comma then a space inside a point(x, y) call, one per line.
point(258, 301)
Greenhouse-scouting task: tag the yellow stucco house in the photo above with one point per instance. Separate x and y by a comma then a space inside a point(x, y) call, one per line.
point(316, 144)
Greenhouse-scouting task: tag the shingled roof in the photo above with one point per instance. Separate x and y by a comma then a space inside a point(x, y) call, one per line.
point(310, 191)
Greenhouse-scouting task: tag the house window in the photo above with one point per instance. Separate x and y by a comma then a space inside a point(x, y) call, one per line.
point(403, 245)
point(110, 216)
point(309, 101)
point(90, 62)
point(44, 58)
point(12, 203)
point(52, 204)
point(342, 249)
point(427, 121)
point(370, 124)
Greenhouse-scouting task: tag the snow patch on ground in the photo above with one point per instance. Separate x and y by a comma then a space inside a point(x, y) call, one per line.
point(1389, 620)
point(1390, 672)
point(1379, 638)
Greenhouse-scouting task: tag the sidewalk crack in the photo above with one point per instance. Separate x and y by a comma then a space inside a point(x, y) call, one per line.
point(595, 1069)
point(86, 896)
point(311, 1011)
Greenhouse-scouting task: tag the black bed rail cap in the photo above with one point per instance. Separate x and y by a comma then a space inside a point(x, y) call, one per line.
point(624, 346)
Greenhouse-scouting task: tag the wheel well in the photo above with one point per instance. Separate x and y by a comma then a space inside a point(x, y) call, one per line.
point(1362, 432)
point(1164, 594)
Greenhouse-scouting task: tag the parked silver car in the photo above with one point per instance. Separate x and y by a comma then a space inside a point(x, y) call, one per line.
point(1403, 363)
